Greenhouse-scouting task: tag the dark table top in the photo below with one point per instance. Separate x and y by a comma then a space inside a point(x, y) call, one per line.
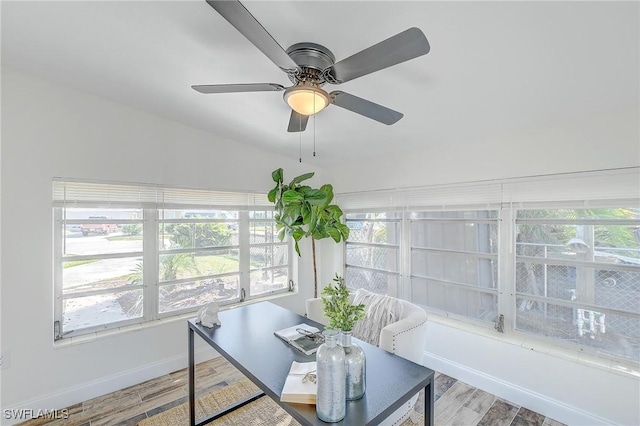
point(246, 339)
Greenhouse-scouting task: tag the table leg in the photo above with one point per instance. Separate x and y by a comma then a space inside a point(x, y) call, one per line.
point(428, 405)
point(192, 379)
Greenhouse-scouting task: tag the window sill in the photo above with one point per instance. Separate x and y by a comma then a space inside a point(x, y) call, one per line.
point(622, 367)
point(90, 337)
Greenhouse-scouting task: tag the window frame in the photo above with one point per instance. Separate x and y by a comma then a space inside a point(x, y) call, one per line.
point(152, 218)
point(161, 220)
point(494, 257)
point(515, 258)
point(60, 223)
point(609, 189)
point(507, 258)
point(400, 255)
point(287, 244)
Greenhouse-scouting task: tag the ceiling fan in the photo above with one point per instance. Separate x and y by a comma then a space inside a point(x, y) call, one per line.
point(310, 66)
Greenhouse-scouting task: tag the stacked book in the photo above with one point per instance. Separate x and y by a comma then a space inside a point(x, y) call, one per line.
point(300, 385)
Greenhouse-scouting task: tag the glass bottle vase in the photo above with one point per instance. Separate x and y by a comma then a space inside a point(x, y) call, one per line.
point(331, 373)
point(355, 363)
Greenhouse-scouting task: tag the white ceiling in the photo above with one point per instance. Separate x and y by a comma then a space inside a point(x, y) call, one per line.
point(493, 66)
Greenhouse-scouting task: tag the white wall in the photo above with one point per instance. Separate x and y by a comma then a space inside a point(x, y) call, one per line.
point(606, 141)
point(48, 131)
point(560, 384)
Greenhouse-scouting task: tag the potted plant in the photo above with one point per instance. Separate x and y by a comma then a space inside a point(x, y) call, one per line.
point(338, 308)
point(303, 211)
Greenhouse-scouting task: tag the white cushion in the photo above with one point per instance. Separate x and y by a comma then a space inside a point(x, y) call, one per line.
point(380, 311)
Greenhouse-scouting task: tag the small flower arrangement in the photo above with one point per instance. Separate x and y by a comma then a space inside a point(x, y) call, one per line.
point(337, 307)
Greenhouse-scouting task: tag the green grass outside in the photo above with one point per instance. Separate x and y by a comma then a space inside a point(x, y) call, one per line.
point(208, 265)
point(125, 238)
point(73, 263)
point(220, 264)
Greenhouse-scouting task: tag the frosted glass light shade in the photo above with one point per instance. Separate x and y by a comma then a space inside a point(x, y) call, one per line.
point(306, 100)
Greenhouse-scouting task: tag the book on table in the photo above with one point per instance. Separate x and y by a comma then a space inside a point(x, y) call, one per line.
point(304, 337)
point(300, 385)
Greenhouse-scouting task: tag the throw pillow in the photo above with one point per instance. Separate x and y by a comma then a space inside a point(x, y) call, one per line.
point(380, 310)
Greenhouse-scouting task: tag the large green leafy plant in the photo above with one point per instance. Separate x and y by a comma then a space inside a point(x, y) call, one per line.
point(302, 211)
point(337, 307)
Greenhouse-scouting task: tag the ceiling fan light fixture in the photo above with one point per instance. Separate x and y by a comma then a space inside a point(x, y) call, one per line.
point(306, 99)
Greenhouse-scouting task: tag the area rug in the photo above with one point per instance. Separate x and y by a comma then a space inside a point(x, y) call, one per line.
point(261, 412)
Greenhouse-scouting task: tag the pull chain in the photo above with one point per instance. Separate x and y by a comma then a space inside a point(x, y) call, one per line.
point(300, 138)
point(314, 134)
point(300, 147)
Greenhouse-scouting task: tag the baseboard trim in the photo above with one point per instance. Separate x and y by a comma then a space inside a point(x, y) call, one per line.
point(534, 401)
point(70, 396)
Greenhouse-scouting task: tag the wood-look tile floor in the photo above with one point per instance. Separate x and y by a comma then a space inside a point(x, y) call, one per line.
point(456, 403)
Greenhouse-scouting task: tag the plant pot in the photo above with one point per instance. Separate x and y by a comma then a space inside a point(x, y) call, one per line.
point(331, 404)
point(355, 364)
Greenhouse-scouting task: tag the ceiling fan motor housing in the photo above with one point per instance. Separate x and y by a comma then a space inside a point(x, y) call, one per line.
point(313, 59)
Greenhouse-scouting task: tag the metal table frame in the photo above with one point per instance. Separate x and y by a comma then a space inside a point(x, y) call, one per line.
point(247, 341)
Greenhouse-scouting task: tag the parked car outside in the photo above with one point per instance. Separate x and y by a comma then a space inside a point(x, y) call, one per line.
point(73, 228)
point(98, 228)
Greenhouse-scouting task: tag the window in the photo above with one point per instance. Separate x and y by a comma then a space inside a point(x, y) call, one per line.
point(126, 254)
point(557, 257)
point(578, 277)
point(452, 265)
point(100, 267)
point(454, 262)
point(198, 260)
point(269, 265)
point(373, 251)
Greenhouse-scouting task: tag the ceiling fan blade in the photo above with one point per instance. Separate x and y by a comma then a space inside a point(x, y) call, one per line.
point(401, 47)
point(236, 88)
point(364, 107)
point(238, 16)
point(297, 122)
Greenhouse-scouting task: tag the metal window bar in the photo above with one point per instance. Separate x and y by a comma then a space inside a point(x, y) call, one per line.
point(542, 221)
point(198, 278)
point(76, 257)
point(578, 305)
point(114, 290)
point(373, 245)
point(577, 263)
point(382, 271)
point(471, 254)
point(488, 290)
point(196, 250)
point(457, 220)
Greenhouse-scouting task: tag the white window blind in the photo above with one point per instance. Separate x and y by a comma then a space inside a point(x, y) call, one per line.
point(441, 197)
point(609, 186)
point(68, 193)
